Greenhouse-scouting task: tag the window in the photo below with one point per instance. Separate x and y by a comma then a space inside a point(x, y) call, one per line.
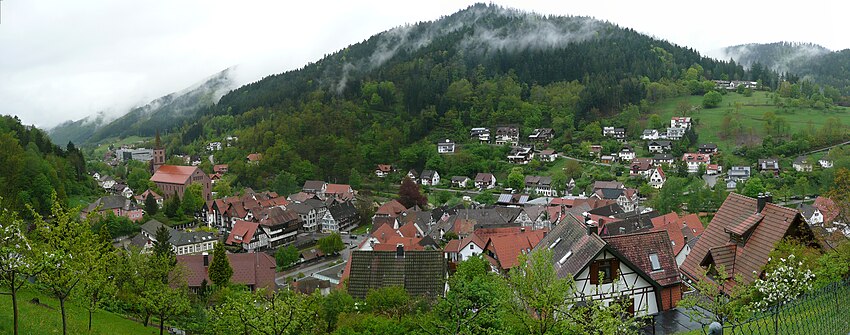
point(607, 269)
point(471, 247)
point(653, 259)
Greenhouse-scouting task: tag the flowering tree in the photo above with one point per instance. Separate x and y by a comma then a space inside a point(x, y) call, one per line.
point(784, 283)
point(17, 259)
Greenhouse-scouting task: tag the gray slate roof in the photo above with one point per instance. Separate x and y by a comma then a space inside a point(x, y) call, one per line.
point(571, 237)
point(420, 273)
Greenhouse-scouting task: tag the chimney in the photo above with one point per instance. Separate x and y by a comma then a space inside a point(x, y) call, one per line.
point(763, 199)
point(399, 250)
point(592, 228)
point(521, 229)
point(206, 260)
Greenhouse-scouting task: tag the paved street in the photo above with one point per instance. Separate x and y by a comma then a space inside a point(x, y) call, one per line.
point(327, 262)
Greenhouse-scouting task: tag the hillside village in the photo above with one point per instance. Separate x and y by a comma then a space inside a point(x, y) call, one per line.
point(606, 238)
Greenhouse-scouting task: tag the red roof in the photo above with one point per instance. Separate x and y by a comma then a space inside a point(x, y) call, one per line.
point(384, 232)
point(385, 167)
point(700, 158)
point(452, 246)
point(220, 168)
point(746, 258)
point(391, 243)
point(144, 195)
point(508, 246)
point(661, 172)
point(255, 157)
point(343, 191)
point(637, 248)
point(173, 174)
point(409, 230)
point(253, 269)
point(392, 208)
point(678, 228)
point(827, 208)
point(245, 230)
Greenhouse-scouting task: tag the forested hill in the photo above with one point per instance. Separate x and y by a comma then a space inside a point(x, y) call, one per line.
point(389, 98)
point(483, 41)
point(804, 60)
point(32, 168)
point(162, 113)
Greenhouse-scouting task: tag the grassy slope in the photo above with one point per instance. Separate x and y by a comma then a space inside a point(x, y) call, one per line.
point(753, 109)
point(36, 319)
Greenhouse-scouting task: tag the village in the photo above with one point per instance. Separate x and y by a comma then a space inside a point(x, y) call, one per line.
point(605, 238)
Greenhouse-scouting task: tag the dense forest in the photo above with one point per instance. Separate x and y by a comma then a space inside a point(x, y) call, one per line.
point(33, 168)
point(390, 98)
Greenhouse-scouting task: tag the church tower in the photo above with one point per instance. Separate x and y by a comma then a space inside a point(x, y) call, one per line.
point(158, 154)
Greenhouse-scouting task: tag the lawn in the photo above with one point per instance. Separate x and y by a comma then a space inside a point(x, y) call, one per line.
point(40, 319)
point(752, 112)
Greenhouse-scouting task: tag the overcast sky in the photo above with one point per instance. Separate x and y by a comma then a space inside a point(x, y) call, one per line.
point(65, 60)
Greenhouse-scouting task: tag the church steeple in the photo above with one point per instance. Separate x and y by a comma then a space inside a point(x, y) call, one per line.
point(158, 154)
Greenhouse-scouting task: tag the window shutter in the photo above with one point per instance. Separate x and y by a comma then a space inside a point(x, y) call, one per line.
point(615, 268)
point(594, 273)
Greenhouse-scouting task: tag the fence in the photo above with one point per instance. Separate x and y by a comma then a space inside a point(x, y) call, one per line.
point(825, 311)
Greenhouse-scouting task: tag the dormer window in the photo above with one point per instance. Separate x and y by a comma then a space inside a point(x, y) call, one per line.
point(653, 260)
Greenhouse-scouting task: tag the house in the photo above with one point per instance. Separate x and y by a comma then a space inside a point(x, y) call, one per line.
point(390, 209)
point(657, 178)
point(221, 168)
point(420, 273)
point(174, 179)
point(413, 175)
point(507, 135)
point(254, 158)
point(255, 270)
point(446, 147)
point(650, 134)
point(460, 181)
point(638, 268)
point(521, 155)
point(429, 177)
point(659, 146)
point(694, 160)
point(383, 170)
point(481, 134)
point(308, 214)
point(505, 245)
point(822, 211)
point(182, 242)
point(627, 153)
point(485, 181)
point(713, 169)
point(214, 146)
point(541, 135)
point(740, 238)
point(708, 148)
point(106, 182)
point(769, 165)
point(195, 160)
point(640, 167)
point(459, 250)
point(663, 159)
point(825, 162)
point(626, 198)
point(802, 164)
point(595, 150)
point(675, 133)
point(281, 225)
point(618, 134)
point(547, 155)
point(248, 235)
point(316, 187)
point(340, 216)
point(739, 173)
point(680, 122)
point(683, 232)
point(127, 192)
point(340, 192)
point(140, 199)
point(607, 159)
point(115, 204)
point(512, 200)
point(540, 186)
point(599, 185)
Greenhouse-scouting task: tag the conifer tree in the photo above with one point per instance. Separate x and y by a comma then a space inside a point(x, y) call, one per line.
point(220, 270)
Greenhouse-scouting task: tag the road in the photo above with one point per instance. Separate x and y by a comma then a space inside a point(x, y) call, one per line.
point(825, 149)
point(584, 161)
point(325, 263)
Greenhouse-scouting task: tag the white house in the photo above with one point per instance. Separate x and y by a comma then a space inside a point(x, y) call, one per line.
point(695, 160)
point(657, 178)
point(675, 133)
point(802, 164)
point(680, 122)
point(460, 181)
point(446, 147)
point(461, 250)
point(659, 146)
point(485, 181)
point(521, 155)
point(547, 155)
point(482, 134)
point(214, 146)
point(825, 163)
point(430, 177)
point(650, 134)
point(618, 134)
point(507, 135)
point(627, 154)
